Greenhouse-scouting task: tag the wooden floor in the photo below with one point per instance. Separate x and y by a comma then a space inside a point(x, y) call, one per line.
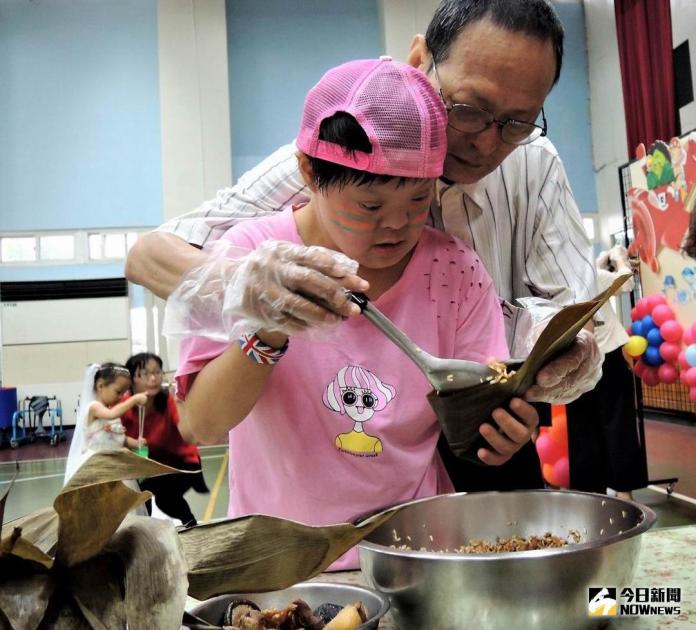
point(671, 452)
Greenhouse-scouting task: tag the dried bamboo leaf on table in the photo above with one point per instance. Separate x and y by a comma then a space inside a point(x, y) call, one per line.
point(462, 412)
point(155, 572)
point(118, 465)
point(89, 516)
point(24, 594)
point(264, 553)
point(40, 529)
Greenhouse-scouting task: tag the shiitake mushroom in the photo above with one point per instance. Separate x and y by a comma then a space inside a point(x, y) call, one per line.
point(326, 612)
point(236, 608)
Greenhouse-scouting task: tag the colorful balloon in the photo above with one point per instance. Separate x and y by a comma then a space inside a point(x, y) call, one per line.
point(670, 352)
point(648, 324)
point(642, 308)
point(650, 376)
point(548, 473)
point(561, 472)
point(689, 377)
point(639, 368)
point(652, 356)
point(690, 353)
point(636, 345)
point(559, 433)
point(662, 313)
point(689, 336)
point(671, 330)
point(637, 328)
point(549, 450)
point(667, 373)
point(655, 338)
point(655, 299)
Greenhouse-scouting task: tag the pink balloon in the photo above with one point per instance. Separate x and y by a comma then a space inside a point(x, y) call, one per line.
point(662, 313)
point(642, 308)
point(670, 351)
point(639, 368)
point(635, 316)
point(692, 394)
point(667, 373)
point(561, 472)
point(671, 330)
point(650, 376)
point(549, 450)
point(688, 337)
point(683, 363)
point(655, 299)
point(689, 377)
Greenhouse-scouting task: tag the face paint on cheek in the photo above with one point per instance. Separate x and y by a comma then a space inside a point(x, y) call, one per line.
point(417, 218)
point(354, 222)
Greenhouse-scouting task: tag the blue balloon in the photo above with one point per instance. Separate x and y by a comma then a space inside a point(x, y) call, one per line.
point(637, 328)
point(648, 324)
point(652, 356)
point(654, 337)
point(691, 355)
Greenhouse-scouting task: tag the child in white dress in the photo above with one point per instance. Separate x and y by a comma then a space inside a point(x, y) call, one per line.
point(98, 426)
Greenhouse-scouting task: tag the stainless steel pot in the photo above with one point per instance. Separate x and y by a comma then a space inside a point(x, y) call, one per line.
point(542, 589)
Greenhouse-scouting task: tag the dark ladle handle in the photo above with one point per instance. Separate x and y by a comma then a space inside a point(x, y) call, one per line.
point(359, 298)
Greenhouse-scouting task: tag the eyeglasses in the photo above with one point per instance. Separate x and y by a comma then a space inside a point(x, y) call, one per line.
point(469, 119)
point(145, 374)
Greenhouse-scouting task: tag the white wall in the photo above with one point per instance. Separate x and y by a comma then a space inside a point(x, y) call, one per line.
point(608, 124)
point(683, 28)
point(400, 20)
point(194, 101)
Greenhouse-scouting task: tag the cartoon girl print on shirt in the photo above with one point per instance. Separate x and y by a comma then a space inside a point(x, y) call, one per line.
point(358, 393)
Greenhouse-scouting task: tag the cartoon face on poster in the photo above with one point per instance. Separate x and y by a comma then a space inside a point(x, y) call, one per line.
point(660, 200)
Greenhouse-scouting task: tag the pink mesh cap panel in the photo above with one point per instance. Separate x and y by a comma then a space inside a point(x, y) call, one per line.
point(402, 115)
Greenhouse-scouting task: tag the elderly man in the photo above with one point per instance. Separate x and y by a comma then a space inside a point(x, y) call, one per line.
point(504, 192)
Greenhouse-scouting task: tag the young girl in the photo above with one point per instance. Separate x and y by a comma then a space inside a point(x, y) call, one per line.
point(163, 439)
point(335, 428)
point(98, 426)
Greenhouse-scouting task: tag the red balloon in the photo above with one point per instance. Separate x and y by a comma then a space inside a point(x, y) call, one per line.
point(689, 377)
point(688, 336)
point(635, 316)
point(650, 376)
point(671, 330)
point(692, 394)
point(549, 475)
point(670, 351)
point(559, 433)
point(655, 299)
point(561, 472)
point(662, 313)
point(667, 373)
point(639, 368)
point(642, 308)
point(683, 363)
point(549, 450)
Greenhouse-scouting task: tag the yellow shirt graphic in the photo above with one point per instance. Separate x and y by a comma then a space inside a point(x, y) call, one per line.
point(359, 443)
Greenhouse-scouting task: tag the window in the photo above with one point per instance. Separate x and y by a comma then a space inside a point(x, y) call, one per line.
point(61, 247)
point(111, 245)
point(17, 249)
point(589, 223)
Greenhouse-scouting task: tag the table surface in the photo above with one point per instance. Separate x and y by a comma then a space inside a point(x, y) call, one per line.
point(668, 558)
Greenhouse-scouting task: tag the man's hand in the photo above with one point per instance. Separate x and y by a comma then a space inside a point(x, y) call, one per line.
point(513, 432)
point(278, 287)
point(568, 376)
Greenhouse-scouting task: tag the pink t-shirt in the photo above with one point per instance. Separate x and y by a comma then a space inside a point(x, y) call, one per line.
point(343, 427)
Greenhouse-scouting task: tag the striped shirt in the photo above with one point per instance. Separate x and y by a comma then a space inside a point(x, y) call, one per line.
point(521, 219)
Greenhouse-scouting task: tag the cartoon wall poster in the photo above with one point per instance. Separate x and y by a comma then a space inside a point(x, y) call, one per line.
point(660, 193)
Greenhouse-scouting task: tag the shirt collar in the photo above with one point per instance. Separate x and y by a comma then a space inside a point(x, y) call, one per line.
point(476, 191)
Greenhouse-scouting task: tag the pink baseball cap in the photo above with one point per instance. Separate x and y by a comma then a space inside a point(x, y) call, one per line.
point(401, 113)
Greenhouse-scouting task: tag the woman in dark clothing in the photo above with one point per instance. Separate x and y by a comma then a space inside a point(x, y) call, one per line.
point(164, 442)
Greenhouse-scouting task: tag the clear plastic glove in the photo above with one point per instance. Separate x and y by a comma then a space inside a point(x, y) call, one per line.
point(278, 287)
point(617, 261)
point(571, 374)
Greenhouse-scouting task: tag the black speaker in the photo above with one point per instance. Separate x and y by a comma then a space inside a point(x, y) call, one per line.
point(683, 80)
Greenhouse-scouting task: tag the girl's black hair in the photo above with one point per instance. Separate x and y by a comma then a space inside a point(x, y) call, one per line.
point(109, 372)
point(139, 362)
point(344, 130)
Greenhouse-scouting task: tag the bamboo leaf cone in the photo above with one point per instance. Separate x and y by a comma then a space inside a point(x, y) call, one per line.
point(462, 412)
